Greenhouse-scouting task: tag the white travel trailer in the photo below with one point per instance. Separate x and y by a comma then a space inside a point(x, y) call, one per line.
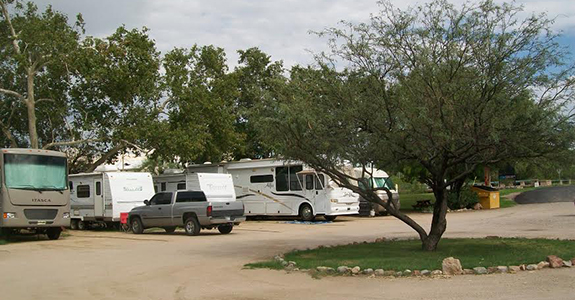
point(270, 187)
point(378, 179)
point(99, 198)
point(216, 187)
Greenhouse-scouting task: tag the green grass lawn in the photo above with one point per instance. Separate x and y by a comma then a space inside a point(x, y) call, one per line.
point(408, 200)
point(401, 255)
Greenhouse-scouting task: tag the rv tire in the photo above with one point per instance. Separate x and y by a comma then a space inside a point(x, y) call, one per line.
point(225, 229)
point(53, 233)
point(170, 229)
point(192, 226)
point(74, 225)
point(306, 213)
point(137, 226)
point(82, 225)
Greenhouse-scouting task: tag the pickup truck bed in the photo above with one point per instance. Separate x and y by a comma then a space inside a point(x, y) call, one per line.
point(188, 209)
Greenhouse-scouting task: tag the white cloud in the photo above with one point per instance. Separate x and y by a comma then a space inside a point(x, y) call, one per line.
point(279, 28)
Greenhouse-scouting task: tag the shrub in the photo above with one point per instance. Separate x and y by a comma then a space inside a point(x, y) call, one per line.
point(467, 198)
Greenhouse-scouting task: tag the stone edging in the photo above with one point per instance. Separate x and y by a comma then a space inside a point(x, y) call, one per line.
point(451, 266)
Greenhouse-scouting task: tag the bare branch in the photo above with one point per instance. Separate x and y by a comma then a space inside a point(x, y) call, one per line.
point(12, 31)
point(45, 99)
point(70, 143)
point(12, 93)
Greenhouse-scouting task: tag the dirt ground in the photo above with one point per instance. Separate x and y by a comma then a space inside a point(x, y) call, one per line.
point(113, 265)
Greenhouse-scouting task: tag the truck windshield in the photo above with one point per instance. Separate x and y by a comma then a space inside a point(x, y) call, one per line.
point(34, 172)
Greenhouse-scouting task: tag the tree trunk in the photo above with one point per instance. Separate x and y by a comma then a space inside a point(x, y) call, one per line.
point(31, 105)
point(439, 222)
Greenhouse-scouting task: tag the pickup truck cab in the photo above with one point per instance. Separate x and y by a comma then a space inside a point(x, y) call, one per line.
point(188, 209)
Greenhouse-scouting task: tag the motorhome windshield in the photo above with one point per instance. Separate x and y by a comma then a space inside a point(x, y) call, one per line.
point(34, 172)
point(383, 182)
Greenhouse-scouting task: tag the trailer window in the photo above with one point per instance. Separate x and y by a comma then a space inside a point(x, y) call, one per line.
point(181, 186)
point(190, 197)
point(319, 182)
point(98, 188)
point(83, 191)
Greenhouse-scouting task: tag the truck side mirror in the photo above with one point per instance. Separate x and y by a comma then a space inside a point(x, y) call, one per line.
point(147, 202)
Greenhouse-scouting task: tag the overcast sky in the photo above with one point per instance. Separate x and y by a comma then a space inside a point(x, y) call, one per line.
point(280, 28)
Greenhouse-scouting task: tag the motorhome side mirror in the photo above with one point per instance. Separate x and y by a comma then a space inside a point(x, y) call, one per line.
point(146, 202)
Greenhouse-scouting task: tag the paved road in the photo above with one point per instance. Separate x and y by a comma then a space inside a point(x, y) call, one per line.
point(110, 265)
point(547, 195)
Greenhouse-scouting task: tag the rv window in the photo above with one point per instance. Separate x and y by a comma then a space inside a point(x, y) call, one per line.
point(181, 186)
point(309, 182)
point(98, 188)
point(261, 178)
point(83, 191)
point(319, 182)
point(190, 197)
point(282, 179)
point(163, 186)
point(71, 185)
point(294, 183)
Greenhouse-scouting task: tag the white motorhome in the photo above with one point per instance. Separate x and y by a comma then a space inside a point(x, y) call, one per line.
point(377, 179)
point(270, 187)
point(216, 187)
point(99, 198)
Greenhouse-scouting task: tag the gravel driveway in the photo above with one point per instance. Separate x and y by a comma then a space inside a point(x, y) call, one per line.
point(112, 265)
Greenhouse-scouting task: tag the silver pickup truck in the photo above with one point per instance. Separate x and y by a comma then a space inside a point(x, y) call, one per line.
point(188, 209)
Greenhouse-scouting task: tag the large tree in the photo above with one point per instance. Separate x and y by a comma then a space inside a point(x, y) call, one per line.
point(90, 97)
point(36, 50)
point(435, 87)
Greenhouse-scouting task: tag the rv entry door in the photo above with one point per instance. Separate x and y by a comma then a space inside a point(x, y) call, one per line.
point(98, 199)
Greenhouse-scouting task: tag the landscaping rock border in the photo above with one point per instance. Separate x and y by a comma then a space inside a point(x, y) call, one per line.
point(451, 267)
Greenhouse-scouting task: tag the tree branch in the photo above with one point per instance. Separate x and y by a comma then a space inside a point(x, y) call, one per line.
point(105, 157)
point(70, 143)
point(12, 31)
point(12, 93)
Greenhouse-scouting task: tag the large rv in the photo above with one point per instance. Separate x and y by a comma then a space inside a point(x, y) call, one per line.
point(34, 192)
point(271, 187)
point(97, 199)
point(378, 179)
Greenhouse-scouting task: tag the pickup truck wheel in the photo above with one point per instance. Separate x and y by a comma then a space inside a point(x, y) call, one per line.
point(192, 226)
point(329, 218)
point(170, 229)
point(306, 213)
point(225, 229)
point(137, 226)
point(53, 233)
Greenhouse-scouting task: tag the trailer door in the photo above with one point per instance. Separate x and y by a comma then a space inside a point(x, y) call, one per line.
point(98, 199)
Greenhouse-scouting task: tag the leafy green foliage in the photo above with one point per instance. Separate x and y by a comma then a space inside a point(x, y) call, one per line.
point(465, 198)
point(424, 89)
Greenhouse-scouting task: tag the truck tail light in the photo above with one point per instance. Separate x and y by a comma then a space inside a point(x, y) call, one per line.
point(209, 211)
